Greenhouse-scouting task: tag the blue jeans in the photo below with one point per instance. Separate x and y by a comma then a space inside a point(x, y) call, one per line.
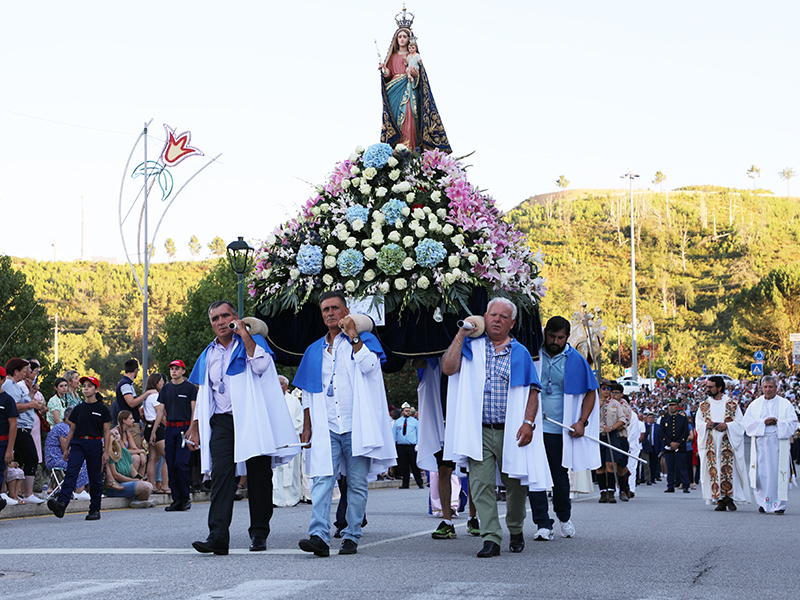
point(322, 491)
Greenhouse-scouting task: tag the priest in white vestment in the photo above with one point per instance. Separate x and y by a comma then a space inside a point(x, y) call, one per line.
point(770, 421)
point(286, 481)
point(635, 434)
point(720, 448)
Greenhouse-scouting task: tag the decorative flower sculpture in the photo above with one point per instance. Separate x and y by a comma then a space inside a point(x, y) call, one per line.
point(407, 229)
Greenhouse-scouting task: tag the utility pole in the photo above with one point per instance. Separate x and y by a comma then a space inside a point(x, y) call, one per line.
point(55, 336)
point(634, 364)
point(82, 228)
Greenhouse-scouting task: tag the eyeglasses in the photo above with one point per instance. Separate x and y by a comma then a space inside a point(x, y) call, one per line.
point(604, 387)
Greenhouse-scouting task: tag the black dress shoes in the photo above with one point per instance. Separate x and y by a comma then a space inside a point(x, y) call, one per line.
point(489, 549)
point(348, 547)
point(94, 515)
point(517, 543)
point(57, 507)
point(179, 505)
point(316, 545)
point(209, 546)
point(258, 543)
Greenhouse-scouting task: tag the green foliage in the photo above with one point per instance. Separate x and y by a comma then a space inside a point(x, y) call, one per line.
point(187, 332)
point(24, 328)
point(169, 246)
point(562, 182)
point(194, 247)
point(217, 247)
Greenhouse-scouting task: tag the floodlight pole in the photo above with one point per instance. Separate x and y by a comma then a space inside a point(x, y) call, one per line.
point(146, 266)
point(634, 363)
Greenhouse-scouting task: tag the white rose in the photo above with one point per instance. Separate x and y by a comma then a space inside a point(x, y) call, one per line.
point(324, 206)
point(442, 213)
point(435, 195)
point(327, 279)
point(320, 188)
point(342, 234)
point(294, 273)
point(370, 172)
point(315, 211)
point(345, 184)
point(366, 243)
point(384, 287)
point(406, 211)
point(453, 261)
point(378, 216)
point(357, 225)
point(370, 253)
point(332, 250)
point(398, 224)
point(400, 283)
point(381, 192)
point(271, 239)
point(376, 226)
point(449, 278)
point(394, 175)
point(448, 229)
point(420, 232)
point(355, 182)
point(423, 282)
point(377, 238)
point(394, 236)
point(359, 150)
point(426, 210)
point(408, 241)
point(354, 170)
point(351, 242)
point(473, 259)
point(350, 286)
point(413, 224)
point(456, 272)
point(330, 262)
point(418, 213)
point(392, 162)
point(409, 263)
point(435, 227)
point(265, 274)
point(433, 218)
point(458, 240)
point(410, 197)
point(369, 275)
point(365, 189)
point(401, 148)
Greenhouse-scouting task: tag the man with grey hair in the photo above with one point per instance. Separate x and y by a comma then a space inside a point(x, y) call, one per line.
point(771, 421)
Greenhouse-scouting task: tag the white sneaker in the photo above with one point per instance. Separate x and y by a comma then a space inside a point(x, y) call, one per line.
point(141, 504)
point(567, 529)
point(33, 499)
point(9, 500)
point(543, 535)
point(84, 495)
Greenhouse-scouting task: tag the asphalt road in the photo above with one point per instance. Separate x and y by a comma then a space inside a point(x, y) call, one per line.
point(657, 546)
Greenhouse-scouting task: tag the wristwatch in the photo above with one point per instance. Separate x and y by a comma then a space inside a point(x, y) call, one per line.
point(531, 423)
point(355, 340)
point(586, 423)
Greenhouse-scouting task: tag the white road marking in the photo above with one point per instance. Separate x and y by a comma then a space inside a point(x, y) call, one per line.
point(263, 589)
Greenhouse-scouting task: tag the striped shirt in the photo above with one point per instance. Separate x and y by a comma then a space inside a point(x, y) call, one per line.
point(495, 391)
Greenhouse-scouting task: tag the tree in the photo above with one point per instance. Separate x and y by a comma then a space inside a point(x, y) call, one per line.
point(786, 175)
point(169, 246)
point(660, 179)
point(24, 327)
point(194, 246)
point(562, 182)
point(218, 247)
point(753, 172)
point(765, 314)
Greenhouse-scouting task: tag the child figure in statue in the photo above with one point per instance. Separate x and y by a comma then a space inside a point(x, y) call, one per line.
point(413, 61)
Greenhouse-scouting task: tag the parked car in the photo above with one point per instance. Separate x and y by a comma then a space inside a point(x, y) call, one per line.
point(629, 385)
point(730, 382)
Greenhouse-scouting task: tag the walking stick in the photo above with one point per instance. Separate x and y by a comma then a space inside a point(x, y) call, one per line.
point(588, 437)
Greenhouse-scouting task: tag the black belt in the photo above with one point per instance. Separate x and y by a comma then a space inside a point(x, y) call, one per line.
point(497, 426)
point(23, 429)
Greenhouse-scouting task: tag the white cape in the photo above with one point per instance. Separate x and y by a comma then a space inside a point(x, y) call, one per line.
point(431, 419)
point(770, 460)
point(464, 432)
point(261, 422)
point(372, 427)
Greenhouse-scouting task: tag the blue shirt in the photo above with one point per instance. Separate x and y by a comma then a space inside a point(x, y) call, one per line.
point(25, 418)
point(412, 431)
point(495, 391)
point(552, 394)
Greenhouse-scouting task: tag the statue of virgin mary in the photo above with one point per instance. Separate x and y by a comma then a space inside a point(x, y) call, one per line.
point(409, 111)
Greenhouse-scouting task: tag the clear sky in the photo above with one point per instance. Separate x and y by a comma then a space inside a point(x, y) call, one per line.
point(284, 90)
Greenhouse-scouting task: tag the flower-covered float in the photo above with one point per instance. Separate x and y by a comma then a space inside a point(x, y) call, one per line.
point(407, 234)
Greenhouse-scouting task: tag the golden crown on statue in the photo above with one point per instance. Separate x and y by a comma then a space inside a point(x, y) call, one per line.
point(404, 19)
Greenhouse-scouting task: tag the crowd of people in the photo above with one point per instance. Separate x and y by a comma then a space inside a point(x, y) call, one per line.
point(546, 425)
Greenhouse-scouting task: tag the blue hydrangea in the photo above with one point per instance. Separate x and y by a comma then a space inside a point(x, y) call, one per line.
point(430, 253)
point(377, 155)
point(357, 212)
point(350, 262)
point(393, 210)
point(309, 259)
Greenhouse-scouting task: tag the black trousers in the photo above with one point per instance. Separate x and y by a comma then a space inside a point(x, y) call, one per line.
point(81, 450)
point(223, 485)
point(655, 466)
point(562, 506)
point(676, 468)
point(407, 463)
point(177, 462)
point(25, 452)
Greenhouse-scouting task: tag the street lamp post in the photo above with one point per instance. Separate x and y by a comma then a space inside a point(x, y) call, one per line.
point(634, 363)
point(240, 257)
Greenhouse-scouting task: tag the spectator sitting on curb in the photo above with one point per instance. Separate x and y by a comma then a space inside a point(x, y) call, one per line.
point(122, 473)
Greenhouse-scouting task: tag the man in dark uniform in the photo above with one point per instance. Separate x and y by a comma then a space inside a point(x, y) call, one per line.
point(651, 446)
point(674, 433)
point(177, 398)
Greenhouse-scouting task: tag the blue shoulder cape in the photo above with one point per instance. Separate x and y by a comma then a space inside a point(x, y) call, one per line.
point(309, 373)
point(578, 375)
point(522, 368)
point(237, 364)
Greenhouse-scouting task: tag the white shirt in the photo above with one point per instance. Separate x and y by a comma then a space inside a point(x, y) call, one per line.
point(336, 374)
point(150, 404)
point(217, 362)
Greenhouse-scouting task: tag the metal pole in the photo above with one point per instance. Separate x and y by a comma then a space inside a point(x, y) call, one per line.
point(146, 265)
point(241, 295)
point(55, 335)
point(634, 361)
